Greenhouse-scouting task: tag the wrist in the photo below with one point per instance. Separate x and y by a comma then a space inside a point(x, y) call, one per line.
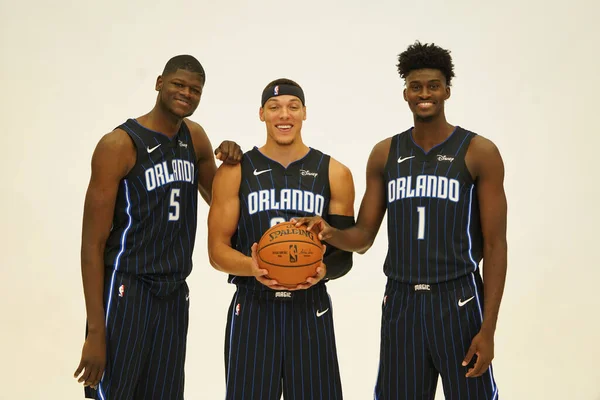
point(96, 330)
point(488, 329)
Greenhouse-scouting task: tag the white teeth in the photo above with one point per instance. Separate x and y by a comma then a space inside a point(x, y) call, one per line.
point(284, 126)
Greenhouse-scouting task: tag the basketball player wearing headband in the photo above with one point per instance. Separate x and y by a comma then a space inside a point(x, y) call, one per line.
point(279, 340)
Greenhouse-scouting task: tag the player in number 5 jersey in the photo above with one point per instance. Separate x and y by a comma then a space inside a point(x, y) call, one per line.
point(442, 188)
point(139, 228)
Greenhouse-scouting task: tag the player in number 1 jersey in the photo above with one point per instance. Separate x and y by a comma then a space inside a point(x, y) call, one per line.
point(442, 188)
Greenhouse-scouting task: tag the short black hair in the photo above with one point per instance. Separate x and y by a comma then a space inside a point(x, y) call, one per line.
point(186, 62)
point(421, 56)
point(282, 81)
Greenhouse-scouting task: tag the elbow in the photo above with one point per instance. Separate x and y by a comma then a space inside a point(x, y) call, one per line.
point(367, 245)
point(212, 260)
point(497, 245)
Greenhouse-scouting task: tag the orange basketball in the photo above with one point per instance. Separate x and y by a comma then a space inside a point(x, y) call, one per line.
point(290, 254)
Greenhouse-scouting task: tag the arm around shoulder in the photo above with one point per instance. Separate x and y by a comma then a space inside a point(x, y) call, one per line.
point(205, 160)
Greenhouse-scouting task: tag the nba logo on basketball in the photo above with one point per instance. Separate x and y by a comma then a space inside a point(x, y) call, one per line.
point(237, 309)
point(293, 253)
point(276, 90)
point(121, 290)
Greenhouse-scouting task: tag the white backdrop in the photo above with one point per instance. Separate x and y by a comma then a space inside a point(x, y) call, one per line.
point(527, 78)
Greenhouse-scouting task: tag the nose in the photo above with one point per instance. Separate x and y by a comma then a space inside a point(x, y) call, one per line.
point(424, 94)
point(284, 113)
point(185, 91)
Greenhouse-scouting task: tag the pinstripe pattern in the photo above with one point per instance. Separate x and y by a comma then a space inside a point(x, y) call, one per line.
point(435, 247)
point(443, 253)
point(275, 345)
point(425, 334)
point(158, 248)
point(146, 342)
point(251, 225)
point(148, 256)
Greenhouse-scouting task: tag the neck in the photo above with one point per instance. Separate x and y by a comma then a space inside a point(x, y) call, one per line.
point(161, 121)
point(429, 133)
point(284, 154)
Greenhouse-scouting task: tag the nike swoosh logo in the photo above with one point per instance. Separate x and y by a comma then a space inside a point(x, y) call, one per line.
point(319, 313)
point(404, 159)
point(150, 150)
point(256, 173)
point(462, 303)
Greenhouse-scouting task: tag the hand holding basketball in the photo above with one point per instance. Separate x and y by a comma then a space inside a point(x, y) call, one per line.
point(315, 224)
point(291, 255)
point(313, 280)
point(261, 274)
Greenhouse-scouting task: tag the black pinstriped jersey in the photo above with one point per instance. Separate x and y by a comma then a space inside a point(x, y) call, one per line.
point(434, 229)
point(270, 193)
point(154, 223)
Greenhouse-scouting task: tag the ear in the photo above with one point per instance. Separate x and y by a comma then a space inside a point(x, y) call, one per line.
point(447, 92)
point(404, 95)
point(261, 114)
point(304, 109)
point(159, 83)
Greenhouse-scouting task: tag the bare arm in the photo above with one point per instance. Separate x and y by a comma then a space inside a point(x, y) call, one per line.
point(485, 164)
point(342, 189)
point(360, 237)
point(223, 219)
point(488, 169)
point(228, 152)
point(341, 212)
point(113, 157)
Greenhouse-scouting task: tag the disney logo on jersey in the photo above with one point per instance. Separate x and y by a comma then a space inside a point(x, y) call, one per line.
point(442, 157)
point(164, 173)
point(305, 172)
point(285, 199)
point(181, 144)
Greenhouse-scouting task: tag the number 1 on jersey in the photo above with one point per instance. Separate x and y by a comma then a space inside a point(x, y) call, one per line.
point(421, 232)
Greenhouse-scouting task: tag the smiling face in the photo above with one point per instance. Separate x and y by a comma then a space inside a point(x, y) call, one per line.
point(283, 116)
point(426, 91)
point(180, 92)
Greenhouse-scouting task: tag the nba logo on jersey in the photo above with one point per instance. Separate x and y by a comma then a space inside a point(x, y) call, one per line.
point(237, 309)
point(276, 90)
point(121, 290)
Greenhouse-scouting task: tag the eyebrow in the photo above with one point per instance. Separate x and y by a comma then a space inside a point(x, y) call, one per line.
point(276, 100)
point(178, 80)
point(429, 81)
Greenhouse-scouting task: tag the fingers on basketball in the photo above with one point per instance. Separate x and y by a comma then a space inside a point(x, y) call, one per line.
point(289, 253)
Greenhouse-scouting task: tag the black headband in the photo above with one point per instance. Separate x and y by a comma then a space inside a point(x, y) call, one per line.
point(279, 90)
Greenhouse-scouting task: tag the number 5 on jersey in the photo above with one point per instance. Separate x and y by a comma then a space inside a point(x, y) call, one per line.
point(174, 205)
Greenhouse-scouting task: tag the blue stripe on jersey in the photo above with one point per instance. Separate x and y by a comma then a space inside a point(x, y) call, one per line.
point(231, 336)
point(117, 260)
point(424, 246)
point(469, 228)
